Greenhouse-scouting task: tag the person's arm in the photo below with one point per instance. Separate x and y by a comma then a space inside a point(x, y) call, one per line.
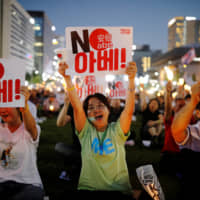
point(126, 115)
point(168, 101)
point(143, 103)
point(28, 119)
point(63, 118)
point(156, 122)
point(183, 117)
point(79, 114)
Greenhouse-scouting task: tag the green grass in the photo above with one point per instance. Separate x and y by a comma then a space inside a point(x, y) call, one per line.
point(51, 164)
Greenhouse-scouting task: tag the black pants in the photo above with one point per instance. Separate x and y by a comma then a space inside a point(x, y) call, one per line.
point(11, 190)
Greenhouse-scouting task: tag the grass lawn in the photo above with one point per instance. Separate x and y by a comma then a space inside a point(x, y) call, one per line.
point(51, 164)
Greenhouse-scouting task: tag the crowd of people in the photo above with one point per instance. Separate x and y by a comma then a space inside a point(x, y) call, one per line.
point(101, 127)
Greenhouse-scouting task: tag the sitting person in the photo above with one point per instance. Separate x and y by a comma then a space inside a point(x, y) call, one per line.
point(152, 122)
point(104, 169)
point(50, 106)
point(19, 139)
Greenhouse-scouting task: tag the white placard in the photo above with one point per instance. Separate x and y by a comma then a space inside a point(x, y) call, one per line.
point(12, 76)
point(98, 50)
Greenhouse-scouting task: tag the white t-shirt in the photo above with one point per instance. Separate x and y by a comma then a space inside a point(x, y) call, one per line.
point(18, 156)
point(33, 109)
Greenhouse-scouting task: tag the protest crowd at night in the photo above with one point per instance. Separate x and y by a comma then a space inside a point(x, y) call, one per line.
point(96, 127)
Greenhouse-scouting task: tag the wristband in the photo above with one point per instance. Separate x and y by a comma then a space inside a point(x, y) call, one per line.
point(25, 109)
point(70, 89)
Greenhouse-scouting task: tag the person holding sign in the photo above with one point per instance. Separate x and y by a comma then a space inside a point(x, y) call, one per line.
point(104, 168)
point(19, 138)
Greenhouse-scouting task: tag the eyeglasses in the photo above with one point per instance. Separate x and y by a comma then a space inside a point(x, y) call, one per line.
point(92, 108)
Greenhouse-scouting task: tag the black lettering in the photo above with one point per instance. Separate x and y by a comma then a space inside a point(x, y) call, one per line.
point(83, 44)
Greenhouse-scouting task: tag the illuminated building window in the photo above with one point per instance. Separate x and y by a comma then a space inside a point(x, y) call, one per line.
point(38, 44)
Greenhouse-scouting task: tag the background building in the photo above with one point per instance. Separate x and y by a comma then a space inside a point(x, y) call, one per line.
point(45, 42)
point(16, 33)
point(143, 56)
point(183, 31)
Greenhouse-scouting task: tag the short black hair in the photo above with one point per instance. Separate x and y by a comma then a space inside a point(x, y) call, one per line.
point(100, 97)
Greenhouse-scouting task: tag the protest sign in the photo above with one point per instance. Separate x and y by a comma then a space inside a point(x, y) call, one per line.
point(92, 53)
point(12, 75)
point(114, 87)
point(98, 50)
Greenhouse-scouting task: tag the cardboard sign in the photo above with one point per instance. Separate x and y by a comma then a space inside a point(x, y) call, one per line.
point(98, 50)
point(12, 76)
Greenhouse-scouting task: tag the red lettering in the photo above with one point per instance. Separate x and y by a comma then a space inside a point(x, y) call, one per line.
point(3, 91)
point(105, 60)
point(116, 59)
point(6, 90)
point(79, 92)
point(17, 89)
point(1, 70)
point(118, 92)
point(91, 89)
point(10, 90)
point(123, 58)
point(83, 68)
point(92, 62)
point(101, 61)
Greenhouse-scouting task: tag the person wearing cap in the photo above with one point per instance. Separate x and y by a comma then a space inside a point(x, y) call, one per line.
point(188, 138)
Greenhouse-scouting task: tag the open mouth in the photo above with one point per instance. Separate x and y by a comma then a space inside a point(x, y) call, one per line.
point(99, 117)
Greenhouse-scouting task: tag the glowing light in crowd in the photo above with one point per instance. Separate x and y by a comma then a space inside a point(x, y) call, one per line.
point(51, 107)
point(181, 81)
point(187, 87)
point(174, 83)
point(156, 73)
point(141, 80)
point(174, 94)
point(169, 73)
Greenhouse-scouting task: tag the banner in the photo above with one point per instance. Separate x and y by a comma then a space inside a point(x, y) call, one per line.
point(12, 76)
point(98, 50)
point(188, 57)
